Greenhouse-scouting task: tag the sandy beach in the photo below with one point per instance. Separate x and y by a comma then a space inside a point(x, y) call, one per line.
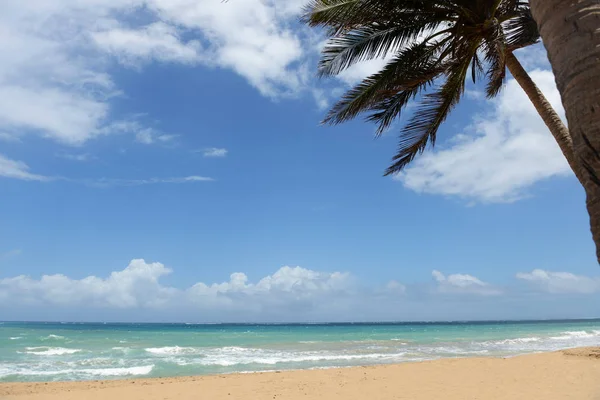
point(569, 374)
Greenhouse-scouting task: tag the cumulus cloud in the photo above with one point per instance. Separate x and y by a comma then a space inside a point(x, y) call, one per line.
point(463, 284)
point(214, 152)
point(499, 156)
point(561, 282)
point(288, 289)
point(135, 286)
point(138, 286)
point(289, 294)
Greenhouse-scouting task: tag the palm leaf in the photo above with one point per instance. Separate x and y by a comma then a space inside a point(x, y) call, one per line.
point(432, 112)
point(407, 70)
point(368, 43)
point(522, 30)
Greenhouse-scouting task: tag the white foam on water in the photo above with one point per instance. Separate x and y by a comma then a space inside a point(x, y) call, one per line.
point(173, 350)
point(53, 337)
point(50, 351)
point(76, 373)
point(568, 335)
point(518, 340)
point(123, 349)
point(232, 356)
point(16, 338)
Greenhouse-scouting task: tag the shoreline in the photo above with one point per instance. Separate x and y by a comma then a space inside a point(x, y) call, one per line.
point(571, 373)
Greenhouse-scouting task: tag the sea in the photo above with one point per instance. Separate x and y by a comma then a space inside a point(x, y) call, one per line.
point(35, 351)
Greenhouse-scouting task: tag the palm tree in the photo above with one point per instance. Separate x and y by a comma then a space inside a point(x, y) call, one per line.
point(570, 30)
point(435, 44)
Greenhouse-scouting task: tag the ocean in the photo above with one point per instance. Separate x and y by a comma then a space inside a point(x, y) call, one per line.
point(31, 351)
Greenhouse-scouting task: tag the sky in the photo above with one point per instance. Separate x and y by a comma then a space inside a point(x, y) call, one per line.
point(163, 160)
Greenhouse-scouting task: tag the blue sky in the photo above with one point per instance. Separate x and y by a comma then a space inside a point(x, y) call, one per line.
point(175, 143)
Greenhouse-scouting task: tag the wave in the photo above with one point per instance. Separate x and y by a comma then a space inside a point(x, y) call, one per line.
point(568, 335)
point(53, 337)
point(80, 373)
point(50, 351)
point(173, 350)
point(16, 338)
point(231, 356)
point(518, 340)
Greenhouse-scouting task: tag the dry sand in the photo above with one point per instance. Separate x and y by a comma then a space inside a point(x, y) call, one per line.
point(571, 374)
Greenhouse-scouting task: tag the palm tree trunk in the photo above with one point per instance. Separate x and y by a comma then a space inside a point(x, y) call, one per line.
point(544, 108)
point(570, 30)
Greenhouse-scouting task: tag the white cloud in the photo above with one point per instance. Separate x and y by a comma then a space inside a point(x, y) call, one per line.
point(156, 41)
point(135, 286)
point(145, 136)
point(141, 133)
point(463, 284)
point(138, 286)
point(18, 170)
point(45, 87)
point(66, 116)
point(214, 152)
point(506, 152)
point(288, 287)
point(55, 56)
point(139, 292)
point(395, 287)
point(253, 38)
point(362, 70)
point(561, 282)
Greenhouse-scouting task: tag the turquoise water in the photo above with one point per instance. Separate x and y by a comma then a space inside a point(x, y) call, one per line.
point(73, 351)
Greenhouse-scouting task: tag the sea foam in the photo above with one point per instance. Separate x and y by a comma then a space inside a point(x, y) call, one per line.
point(50, 351)
point(53, 337)
point(79, 373)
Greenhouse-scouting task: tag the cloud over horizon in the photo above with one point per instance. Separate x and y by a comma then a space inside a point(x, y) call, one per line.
point(289, 294)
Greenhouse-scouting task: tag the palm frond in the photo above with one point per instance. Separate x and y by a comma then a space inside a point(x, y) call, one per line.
point(332, 13)
point(522, 30)
point(390, 108)
point(472, 37)
point(494, 48)
point(407, 70)
point(339, 16)
point(368, 43)
point(432, 112)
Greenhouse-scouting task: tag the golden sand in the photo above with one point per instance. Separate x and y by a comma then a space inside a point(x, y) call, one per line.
point(570, 374)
